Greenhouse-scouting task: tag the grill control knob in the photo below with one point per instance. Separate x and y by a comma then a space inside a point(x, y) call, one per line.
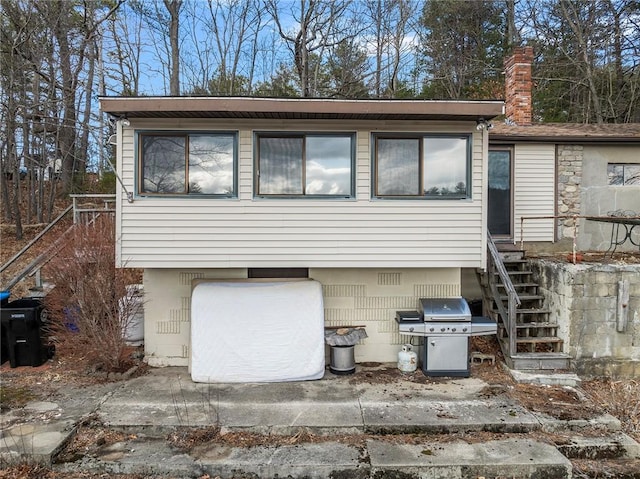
point(431, 329)
point(453, 330)
point(464, 330)
point(442, 329)
point(411, 329)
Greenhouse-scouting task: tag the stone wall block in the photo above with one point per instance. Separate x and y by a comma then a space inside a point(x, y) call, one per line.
point(601, 289)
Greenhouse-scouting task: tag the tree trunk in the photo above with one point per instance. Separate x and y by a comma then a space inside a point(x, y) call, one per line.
point(173, 7)
point(66, 134)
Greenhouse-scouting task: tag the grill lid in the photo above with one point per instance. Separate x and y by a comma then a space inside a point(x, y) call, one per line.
point(445, 309)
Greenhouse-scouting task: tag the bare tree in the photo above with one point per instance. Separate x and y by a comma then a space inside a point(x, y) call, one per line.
point(590, 57)
point(123, 56)
point(579, 21)
point(71, 60)
point(320, 24)
point(389, 21)
point(227, 55)
point(173, 7)
point(163, 20)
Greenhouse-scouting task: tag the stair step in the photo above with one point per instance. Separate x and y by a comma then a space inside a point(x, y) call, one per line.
point(521, 288)
point(614, 445)
point(515, 261)
point(524, 297)
point(535, 324)
point(540, 339)
point(533, 311)
point(524, 313)
point(542, 361)
point(511, 254)
point(538, 344)
point(516, 273)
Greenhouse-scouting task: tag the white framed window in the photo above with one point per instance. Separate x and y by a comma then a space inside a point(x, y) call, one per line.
point(178, 163)
point(422, 166)
point(305, 165)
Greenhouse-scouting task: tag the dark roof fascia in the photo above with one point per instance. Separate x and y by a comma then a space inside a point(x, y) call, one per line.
point(298, 108)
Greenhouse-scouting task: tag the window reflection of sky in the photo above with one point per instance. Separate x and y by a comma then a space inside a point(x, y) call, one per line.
point(211, 164)
point(444, 166)
point(328, 165)
point(163, 164)
point(445, 163)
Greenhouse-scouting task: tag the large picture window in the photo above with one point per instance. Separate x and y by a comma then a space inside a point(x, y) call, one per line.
point(304, 165)
point(422, 166)
point(187, 163)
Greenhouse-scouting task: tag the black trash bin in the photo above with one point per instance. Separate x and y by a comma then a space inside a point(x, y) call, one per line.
point(4, 347)
point(22, 321)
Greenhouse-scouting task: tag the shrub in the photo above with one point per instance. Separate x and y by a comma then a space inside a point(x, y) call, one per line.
point(90, 306)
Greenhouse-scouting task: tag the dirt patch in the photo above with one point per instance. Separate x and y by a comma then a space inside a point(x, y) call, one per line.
point(32, 471)
point(89, 438)
point(620, 398)
point(610, 469)
point(559, 402)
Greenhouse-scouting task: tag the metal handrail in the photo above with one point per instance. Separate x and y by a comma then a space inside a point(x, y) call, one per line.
point(34, 240)
point(78, 210)
point(508, 316)
point(40, 260)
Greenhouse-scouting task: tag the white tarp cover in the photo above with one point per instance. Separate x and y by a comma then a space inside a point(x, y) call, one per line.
point(257, 331)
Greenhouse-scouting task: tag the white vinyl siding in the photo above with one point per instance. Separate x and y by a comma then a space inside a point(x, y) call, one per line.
point(160, 232)
point(534, 191)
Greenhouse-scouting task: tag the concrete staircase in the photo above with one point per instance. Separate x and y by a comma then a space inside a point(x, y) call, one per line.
point(536, 345)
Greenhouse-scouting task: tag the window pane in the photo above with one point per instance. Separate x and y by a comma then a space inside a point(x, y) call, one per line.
point(280, 166)
point(163, 164)
point(615, 173)
point(211, 164)
point(632, 174)
point(398, 167)
point(328, 165)
point(499, 209)
point(445, 166)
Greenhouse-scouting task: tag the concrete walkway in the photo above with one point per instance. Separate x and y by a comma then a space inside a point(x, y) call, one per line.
point(148, 408)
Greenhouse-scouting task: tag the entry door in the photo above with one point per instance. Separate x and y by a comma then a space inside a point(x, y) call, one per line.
point(500, 209)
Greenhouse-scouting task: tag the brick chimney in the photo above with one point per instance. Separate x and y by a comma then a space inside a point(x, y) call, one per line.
point(517, 83)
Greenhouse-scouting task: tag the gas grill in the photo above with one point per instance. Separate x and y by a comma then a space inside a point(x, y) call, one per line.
point(446, 324)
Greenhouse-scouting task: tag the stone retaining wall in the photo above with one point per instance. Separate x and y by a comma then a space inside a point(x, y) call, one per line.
point(583, 299)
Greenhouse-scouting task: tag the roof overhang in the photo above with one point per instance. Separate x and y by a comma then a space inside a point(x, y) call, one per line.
point(299, 108)
point(566, 133)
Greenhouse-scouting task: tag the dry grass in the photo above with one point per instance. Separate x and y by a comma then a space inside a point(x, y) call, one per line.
point(620, 398)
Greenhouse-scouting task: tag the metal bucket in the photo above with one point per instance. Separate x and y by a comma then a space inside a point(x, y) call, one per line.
point(342, 360)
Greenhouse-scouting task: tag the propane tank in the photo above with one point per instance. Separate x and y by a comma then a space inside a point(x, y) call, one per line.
point(407, 359)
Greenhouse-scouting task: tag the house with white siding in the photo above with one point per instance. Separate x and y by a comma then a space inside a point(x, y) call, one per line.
point(381, 201)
